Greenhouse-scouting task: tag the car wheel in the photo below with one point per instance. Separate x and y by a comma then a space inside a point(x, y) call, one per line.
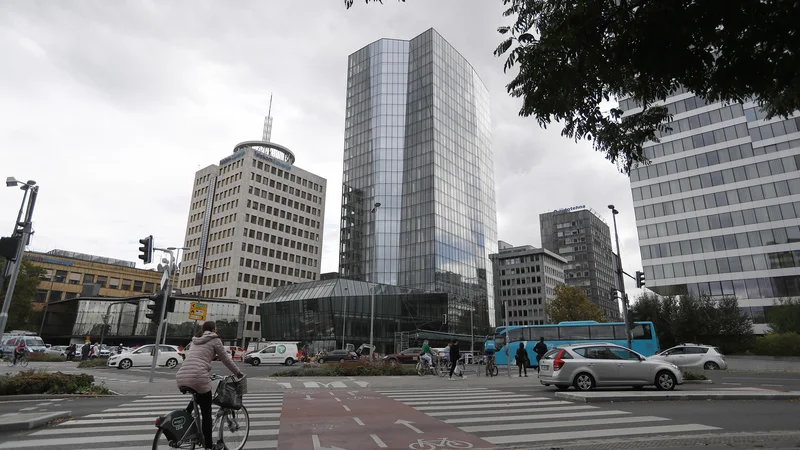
point(393, 362)
point(289, 362)
point(665, 381)
point(711, 365)
point(125, 364)
point(255, 361)
point(321, 360)
point(341, 360)
point(584, 382)
point(562, 387)
point(172, 363)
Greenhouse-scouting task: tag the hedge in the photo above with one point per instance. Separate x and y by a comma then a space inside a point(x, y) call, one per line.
point(45, 357)
point(773, 344)
point(40, 382)
point(350, 369)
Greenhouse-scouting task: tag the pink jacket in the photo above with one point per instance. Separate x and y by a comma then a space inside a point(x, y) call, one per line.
point(195, 372)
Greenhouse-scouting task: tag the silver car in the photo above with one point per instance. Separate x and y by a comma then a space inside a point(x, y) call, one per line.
point(694, 356)
point(587, 366)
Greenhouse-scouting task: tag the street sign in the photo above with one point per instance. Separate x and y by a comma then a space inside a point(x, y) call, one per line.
point(198, 311)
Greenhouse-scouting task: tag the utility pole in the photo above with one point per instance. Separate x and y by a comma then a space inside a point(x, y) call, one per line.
point(167, 293)
point(508, 340)
point(621, 281)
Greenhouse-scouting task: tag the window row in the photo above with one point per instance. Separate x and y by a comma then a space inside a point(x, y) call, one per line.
point(43, 295)
point(523, 290)
point(743, 288)
point(724, 198)
point(775, 129)
point(705, 119)
point(286, 242)
point(262, 207)
point(277, 268)
point(267, 281)
point(252, 218)
point(720, 177)
point(287, 176)
point(519, 260)
point(764, 214)
point(777, 236)
point(277, 254)
point(264, 194)
point(630, 103)
point(525, 302)
point(733, 264)
point(284, 188)
point(520, 270)
point(63, 276)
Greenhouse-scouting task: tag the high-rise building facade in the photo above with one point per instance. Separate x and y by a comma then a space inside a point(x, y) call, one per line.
point(417, 141)
point(583, 238)
point(525, 282)
point(255, 223)
point(717, 209)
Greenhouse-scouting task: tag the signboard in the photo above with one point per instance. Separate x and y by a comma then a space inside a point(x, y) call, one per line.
point(573, 208)
point(198, 311)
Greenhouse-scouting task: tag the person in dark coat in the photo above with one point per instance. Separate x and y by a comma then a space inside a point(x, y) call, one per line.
point(522, 359)
point(455, 355)
point(540, 349)
point(85, 351)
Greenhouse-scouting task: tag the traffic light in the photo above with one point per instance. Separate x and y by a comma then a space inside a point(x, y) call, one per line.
point(9, 247)
point(640, 279)
point(156, 307)
point(171, 304)
point(146, 249)
point(629, 319)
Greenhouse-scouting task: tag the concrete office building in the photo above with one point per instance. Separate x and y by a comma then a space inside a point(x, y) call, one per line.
point(525, 280)
point(255, 223)
point(583, 238)
point(417, 141)
point(717, 209)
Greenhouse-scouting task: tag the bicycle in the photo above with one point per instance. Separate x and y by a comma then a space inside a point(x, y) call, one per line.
point(444, 369)
point(433, 444)
point(21, 360)
point(173, 427)
point(491, 367)
point(424, 368)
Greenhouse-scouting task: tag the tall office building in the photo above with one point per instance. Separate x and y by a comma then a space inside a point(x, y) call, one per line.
point(417, 141)
point(255, 223)
point(582, 237)
point(525, 281)
point(717, 209)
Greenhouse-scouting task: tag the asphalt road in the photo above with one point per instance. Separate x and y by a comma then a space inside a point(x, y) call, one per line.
point(789, 381)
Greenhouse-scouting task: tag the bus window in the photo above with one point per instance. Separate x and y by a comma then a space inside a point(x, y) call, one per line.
point(569, 333)
point(499, 341)
point(514, 335)
point(528, 334)
point(602, 331)
point(548, 333)
point(620, 333)
point(642, 331)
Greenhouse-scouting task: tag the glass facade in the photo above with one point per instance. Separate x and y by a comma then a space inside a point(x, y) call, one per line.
point(331, 313)
point(417, 140)
point(717, 207)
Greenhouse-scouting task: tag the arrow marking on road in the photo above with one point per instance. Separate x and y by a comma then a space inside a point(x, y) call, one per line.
point(378, 441)
point(317, 446)
point(408, 424)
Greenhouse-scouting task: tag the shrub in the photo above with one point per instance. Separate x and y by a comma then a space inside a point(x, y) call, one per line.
point(45, 357)
point(350, 369)
point(787, 344)
point(41, 382)
point(93, 363)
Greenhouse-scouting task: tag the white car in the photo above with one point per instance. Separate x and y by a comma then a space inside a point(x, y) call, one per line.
point(694, 356)
point(273, 354)
point(168, 356)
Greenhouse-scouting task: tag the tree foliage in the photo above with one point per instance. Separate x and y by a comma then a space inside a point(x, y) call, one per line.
point(784, 317)
point(571, 56)
point(694, 319)
point(571, 304)
point(21, 309)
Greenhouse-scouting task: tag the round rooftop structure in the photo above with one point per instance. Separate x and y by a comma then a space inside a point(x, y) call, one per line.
point(270, 149)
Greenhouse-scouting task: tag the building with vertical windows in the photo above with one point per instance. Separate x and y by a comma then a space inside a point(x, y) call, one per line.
point(583, 238)
point(417, 141)
point(255, 223)
point(717, 209)
point(525, 280)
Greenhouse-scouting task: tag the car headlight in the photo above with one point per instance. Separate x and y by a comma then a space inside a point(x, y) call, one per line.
point(674, 366)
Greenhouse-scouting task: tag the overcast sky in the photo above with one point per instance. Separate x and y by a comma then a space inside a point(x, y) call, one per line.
point(112, 106)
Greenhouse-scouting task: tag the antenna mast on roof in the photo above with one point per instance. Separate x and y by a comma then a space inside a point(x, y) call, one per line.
point(267, 135)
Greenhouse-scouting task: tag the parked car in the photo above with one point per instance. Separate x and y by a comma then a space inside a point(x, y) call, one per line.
point(273, 354)
point(694, 356)
point(33, 343)
point(337, 355)
point(586, 366)
point(407, 356)
point(60, 350)
point(168, 356)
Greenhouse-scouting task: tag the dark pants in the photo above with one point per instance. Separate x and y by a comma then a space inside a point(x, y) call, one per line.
point(538, 361)
point(204, 402)
point(523, 366)
point(453, 364)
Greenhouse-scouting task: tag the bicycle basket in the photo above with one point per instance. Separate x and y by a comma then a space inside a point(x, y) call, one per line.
point(227, 394)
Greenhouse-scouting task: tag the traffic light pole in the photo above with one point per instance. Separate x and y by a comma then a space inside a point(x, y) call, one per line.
point(621, 281)
point(167, 293)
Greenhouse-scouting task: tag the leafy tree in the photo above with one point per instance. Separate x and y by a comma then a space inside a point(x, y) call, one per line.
point(784, 317)
point(571, 304)
point(21, 309)
point(650, 308)
point(571, 56)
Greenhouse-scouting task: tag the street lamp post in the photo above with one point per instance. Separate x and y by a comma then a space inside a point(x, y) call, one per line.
point(620, 280)
point(25, 234)
point(374, 210)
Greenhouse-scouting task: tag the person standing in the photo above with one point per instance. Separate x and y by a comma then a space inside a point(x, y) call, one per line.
point(455, 355)
point(522, 359)
point(540, 349)
point(85, 351)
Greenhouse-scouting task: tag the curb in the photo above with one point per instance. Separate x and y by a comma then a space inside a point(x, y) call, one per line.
point(10, 398)
point(698, 381)
point(583, 398)
point(36, 422)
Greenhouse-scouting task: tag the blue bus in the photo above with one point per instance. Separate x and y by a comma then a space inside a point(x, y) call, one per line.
point(565, 333)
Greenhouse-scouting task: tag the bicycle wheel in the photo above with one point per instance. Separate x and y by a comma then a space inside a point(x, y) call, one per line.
point(161, 441)
point(420, 370)
point(10, 362)
point(494, 371)
point(24, 361)
point(234, 428)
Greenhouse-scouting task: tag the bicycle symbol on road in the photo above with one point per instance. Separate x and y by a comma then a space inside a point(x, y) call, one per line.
point(433, 444)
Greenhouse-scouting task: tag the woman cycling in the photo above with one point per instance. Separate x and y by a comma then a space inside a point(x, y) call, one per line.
point(195, 372)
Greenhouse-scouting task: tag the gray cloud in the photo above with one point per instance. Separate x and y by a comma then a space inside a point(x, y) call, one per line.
point(113, 107)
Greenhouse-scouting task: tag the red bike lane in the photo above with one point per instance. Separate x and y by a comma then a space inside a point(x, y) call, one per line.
point(360, 420)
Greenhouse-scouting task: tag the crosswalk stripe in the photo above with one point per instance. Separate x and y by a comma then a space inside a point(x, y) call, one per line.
point(257, 445)
point(516, 418)
point(186, 398)
point(488, 405)
point(166, 410)
point(451, 401)
point(125, 428)
point(101, 439)
point(560, 424)
point(416, 391)
point(513, 410)
point(444, 397)
point(593, 434)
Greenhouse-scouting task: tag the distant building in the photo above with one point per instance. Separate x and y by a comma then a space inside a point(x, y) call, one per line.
point(583, 238)
point(525, 281)
point(329, 276)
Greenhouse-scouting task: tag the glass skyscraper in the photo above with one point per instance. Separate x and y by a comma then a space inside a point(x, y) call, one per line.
point(417, 141)
point(717, 209)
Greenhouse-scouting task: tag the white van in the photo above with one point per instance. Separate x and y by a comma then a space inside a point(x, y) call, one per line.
point(274, 353)
point(33, 343)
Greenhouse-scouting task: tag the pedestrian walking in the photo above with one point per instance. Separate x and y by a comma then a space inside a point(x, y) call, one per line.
point(540, 349)
point(522, 359)
point(455, 355)
point(85, 351)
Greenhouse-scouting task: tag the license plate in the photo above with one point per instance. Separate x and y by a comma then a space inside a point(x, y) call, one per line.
point(545, 367)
